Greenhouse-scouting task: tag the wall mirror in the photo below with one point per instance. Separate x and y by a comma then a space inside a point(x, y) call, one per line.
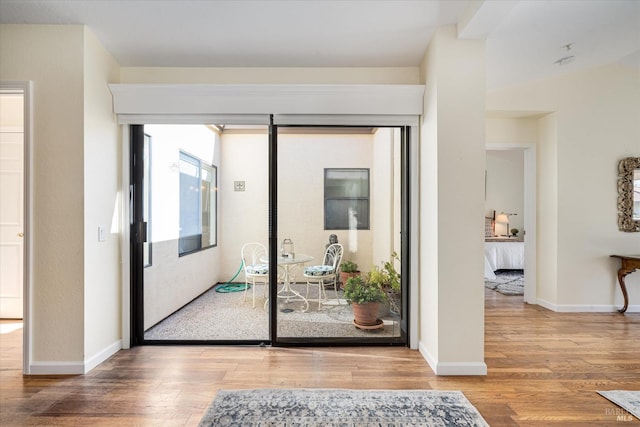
point(629, 194)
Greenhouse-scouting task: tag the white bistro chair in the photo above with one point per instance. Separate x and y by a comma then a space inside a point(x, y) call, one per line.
point(255, 270)
point(319, 275)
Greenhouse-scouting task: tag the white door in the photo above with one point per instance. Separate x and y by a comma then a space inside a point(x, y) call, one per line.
point(11, 206)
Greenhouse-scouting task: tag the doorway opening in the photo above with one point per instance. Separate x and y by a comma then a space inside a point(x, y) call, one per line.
point(510, 232)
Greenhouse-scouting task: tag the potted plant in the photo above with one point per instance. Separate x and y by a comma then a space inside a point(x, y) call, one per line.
point(388, 279)
point(514, 232)
point(348, 269)
point(365, 298)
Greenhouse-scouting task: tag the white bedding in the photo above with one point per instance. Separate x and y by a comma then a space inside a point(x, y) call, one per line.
point(502, 255)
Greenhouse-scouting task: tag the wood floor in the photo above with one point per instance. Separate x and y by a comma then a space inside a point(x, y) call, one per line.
point(544, 370)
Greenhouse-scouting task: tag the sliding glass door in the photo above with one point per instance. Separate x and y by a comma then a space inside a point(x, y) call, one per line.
point(339, 211)
point(246, 233)
point(200, 195)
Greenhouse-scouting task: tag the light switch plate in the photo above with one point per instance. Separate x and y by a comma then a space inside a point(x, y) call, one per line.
point(102, 234)
point(238, 185)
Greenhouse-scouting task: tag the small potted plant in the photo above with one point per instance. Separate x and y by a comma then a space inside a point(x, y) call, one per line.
point(514, 232)
point(365, 298)
point(348, 269)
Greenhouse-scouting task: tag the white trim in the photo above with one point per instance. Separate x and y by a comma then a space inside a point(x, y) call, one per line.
point(342, 120)
point(102, 355)
point(125, 238)
point(530, 221)
point(27, 285)
point(414, 223)
point(461, 368)
point(585, 308)
point(74, 368)
point(453, 368)
point(194, 119)
point(188, 99)
point(56, 368)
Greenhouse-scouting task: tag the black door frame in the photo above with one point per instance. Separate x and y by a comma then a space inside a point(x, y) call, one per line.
point(138, 238)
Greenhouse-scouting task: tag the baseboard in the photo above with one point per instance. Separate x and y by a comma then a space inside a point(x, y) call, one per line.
point(452, 368)
point(74, 368)
point(56, 368)
point(585, 308)
point(102, 355)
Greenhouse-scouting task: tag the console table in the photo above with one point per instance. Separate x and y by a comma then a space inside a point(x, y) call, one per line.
point(629, 264)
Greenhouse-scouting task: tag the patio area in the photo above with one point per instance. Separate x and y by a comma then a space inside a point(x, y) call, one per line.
point(227, 316)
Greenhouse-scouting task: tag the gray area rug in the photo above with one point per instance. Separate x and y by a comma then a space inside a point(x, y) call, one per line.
point(507, 282)
point(341, 407)
point(627, 400)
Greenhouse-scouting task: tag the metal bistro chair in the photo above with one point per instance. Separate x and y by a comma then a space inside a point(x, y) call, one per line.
point(319, 275)
point(255, 270)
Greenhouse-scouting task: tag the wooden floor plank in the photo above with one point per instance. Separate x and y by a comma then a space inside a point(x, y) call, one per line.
point(544, 369)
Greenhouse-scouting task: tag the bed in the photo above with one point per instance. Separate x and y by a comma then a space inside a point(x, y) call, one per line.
point(502, 254)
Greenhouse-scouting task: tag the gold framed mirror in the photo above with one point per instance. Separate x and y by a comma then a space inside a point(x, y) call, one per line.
point(629, 194)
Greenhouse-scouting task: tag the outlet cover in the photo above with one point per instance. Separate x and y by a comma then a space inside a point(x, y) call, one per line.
point(238, 185)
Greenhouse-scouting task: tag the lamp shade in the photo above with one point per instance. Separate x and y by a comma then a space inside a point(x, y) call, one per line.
point(502, 218)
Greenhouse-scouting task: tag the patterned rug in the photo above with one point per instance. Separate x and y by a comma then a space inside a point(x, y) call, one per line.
point(341, 407)
point(507, 282)
point(627, 400)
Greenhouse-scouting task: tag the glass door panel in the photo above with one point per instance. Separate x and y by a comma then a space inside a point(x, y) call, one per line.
point(339, 203)
point(205, 196)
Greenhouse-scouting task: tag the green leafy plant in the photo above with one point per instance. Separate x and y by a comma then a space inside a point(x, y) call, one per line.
point(387, 277)
point(360, 290)
point(393, 277)
point(349, 267)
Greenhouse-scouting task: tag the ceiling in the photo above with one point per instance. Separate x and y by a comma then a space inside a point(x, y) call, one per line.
point(524, 39)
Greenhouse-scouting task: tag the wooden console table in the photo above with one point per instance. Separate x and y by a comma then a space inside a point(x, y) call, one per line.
point(629, 264)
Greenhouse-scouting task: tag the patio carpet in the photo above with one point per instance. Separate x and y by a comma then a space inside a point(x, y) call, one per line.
point(224, 316)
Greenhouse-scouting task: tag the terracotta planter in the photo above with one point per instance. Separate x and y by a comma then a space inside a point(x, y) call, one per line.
point(345, 276)
point(366, 314)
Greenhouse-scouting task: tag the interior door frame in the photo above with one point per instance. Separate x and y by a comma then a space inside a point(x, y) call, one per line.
point(530, 221)
point(26, 87)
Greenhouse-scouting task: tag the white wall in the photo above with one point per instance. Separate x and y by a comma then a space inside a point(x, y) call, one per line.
point(244, 215)
point(594, 124)
point(452, 164)
point(172, 280)
point(102, 206)
point(505, 188)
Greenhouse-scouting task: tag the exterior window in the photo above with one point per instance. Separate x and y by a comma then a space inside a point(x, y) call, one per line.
point(198, 210)
point(346, 199)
